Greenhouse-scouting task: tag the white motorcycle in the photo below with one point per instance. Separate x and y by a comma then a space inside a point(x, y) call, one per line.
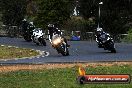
point(59, 44)
point(38, 37)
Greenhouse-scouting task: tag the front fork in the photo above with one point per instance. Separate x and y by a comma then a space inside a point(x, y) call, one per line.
point(65, 46)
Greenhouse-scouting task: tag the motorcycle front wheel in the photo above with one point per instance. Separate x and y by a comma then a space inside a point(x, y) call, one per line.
point(65, 53)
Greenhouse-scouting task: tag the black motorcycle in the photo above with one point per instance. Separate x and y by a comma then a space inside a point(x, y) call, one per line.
point(60, 45)
point(106, 42)
point(27, 35)
point(29, 32)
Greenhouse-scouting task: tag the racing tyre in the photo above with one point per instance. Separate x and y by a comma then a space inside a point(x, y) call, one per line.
point(37, 43)
point(65, 53)
point(43, 42)
point(28, 38)
point(113, 51)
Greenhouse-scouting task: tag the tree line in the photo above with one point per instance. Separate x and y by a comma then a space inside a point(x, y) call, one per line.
point(116, 15)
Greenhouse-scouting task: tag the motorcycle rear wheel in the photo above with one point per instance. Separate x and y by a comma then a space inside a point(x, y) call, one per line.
point(28, 38)
point(113, 51)
point(65, 53)
point(42, 41)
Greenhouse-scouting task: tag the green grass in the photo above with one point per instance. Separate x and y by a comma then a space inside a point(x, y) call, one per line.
point(60, 78)
point(12, 52)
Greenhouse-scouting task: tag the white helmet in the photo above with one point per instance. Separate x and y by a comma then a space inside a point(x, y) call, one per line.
point(24, 20)
point(50, 25)
point(31, 23)
point(99, 29)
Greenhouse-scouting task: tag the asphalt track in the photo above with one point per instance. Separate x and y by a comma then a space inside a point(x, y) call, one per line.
point(80, 51)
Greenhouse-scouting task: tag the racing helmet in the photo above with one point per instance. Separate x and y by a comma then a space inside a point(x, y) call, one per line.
point(24, 20)
point(50, 25)
point(31, 23)
point(99, 31)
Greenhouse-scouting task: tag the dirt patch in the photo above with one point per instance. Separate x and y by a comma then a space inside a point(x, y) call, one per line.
point(9, 68)
point(33, 67)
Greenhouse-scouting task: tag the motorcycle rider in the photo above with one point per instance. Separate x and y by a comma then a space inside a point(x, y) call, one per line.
point(24, 25)
point(31, 26)
point(52, 29)
point(99, 32)
point(27, 26)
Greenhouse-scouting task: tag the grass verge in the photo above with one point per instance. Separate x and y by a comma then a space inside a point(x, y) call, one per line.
point(7, 52)
point(41, 77)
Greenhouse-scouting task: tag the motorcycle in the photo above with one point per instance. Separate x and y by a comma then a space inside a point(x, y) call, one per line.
point(106, 42)
point(38, 37)
point(27, 35)
point(59, 44)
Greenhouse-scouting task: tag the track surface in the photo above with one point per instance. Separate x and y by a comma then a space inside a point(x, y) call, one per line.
point(80, 51)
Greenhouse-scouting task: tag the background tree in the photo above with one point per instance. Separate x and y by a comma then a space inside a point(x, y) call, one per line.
point(13, 11)
point(88, 8)
point(52, 11)
point(31, 10)
point(115, 14)
point(128, 38)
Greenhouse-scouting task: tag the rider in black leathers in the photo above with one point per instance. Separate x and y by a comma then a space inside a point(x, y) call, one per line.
point(31, 27)
point(24, 25)
point(27, 27)
point(52, 29)
point(99, 32)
